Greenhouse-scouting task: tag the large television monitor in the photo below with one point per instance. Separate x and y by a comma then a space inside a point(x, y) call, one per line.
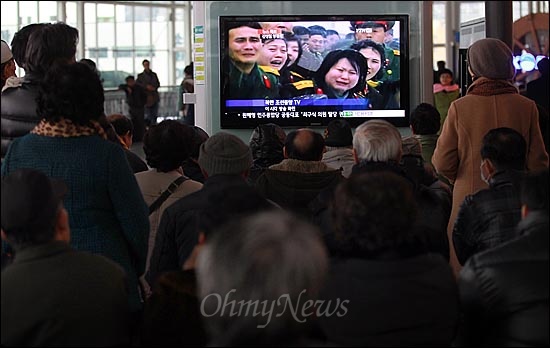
point(262, 79)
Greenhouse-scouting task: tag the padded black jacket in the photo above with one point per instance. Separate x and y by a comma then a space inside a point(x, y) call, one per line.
point(19, 110)
point(504, 291)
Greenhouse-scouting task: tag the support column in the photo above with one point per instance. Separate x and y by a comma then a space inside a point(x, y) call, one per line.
point(499, 21)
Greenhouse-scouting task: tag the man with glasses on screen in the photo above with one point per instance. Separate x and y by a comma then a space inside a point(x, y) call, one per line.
point(242, 78)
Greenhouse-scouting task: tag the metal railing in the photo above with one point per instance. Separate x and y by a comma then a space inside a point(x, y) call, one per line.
point(115, 102)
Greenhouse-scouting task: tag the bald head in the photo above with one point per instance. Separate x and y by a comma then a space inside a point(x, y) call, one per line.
point(305, 145)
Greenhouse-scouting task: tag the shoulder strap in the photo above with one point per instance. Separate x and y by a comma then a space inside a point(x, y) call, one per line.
point(173, 186)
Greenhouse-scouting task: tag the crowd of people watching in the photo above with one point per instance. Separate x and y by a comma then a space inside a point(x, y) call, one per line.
point(345, 237)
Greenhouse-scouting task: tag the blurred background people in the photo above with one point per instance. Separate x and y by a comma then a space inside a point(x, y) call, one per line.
point(266, 144)
point(149, 80)
point(445, 92)
point(136, 98)
point(187, 111)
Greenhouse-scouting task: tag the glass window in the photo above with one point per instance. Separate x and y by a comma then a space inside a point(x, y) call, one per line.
point(70, 10)
point(47, 11)
point(438, 33)
point(9, 20)
point(470, 10)
point(28, 11)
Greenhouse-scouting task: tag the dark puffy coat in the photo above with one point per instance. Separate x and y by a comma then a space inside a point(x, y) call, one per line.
point(434, 206)
point(19, 110)
point(399, 302)
point(489, 217)
point(178, 232)
point(504, 291)
point(266, 143)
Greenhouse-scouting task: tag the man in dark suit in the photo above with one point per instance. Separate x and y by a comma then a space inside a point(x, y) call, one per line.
point(53, 295)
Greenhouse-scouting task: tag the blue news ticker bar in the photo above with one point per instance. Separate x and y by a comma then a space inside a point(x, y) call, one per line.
point(296, 102)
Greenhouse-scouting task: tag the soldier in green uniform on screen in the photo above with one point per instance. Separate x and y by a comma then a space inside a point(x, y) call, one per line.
point(242, 78)
point(389, 82)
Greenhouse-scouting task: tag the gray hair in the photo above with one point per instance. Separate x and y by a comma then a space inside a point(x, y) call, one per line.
point(257, 259)
point(378, 141)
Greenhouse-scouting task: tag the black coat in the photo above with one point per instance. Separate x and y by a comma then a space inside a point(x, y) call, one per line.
point(19, 110)
point(489, 217)
point(504, 291)
point(178, 234)
point(398, 302)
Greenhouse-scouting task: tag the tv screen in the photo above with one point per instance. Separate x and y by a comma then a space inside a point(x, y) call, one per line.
point(303, 71)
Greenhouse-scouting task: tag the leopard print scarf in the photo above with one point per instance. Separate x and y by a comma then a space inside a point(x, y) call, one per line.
point(66, 128)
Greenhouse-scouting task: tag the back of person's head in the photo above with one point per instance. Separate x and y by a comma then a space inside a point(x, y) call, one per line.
point(372, 213)
point(91, 64)
point(72, 92)
point(50, 44)
point(188, 70)
point(171, 315)
point(425, 119)
point(357, 61)
point(267, 142)
point(362, 44)
point(534, 191)
point(30, 204)
point(440, 64)
point(19, 42)
point(543, 65)
point(167, 144)
point(505, 148)
point(225, 153)
point(121, 124)
point(200, 137)
point(304, 145)
point(377, 141)
point(491, 58)
point(338, 134)
point(263, 261)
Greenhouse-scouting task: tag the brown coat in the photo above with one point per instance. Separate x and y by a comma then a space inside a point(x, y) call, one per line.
point(457, 153)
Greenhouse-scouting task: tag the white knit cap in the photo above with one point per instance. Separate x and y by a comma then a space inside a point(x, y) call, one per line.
point(6, 52)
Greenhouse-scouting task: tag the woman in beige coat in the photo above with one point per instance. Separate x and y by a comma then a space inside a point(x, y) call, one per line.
point(491, 101)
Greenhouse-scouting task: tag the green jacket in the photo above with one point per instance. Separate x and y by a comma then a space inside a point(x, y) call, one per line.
point(256, 85)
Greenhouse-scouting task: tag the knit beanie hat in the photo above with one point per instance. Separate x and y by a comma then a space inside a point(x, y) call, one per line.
point(224, 153)
point(491, 58)
point(6, 52)
point(338, 134)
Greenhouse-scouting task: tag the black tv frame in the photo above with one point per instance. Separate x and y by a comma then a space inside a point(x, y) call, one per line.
point(231, 119)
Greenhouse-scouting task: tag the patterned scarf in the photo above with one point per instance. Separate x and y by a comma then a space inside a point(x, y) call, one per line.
point(66, 128)
point(487, 87)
